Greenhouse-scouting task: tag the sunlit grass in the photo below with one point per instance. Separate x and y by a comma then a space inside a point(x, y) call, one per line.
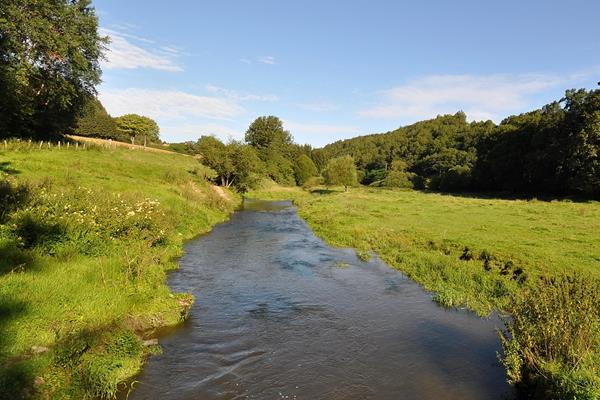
point(66, 298)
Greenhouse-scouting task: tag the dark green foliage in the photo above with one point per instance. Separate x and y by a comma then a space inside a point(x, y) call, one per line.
point(429, 149)
point(275, 148)
point(190, 148)
point(49, 53)
point(268, 131)
point(96, 122)
point(554, 150)
point(552, 342)
point(234, 163)
point(398, 176)
point(304, 169)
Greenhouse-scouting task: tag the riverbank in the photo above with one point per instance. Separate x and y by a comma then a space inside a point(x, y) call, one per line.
point(475, 252)
point(86, 239)
point(537, 260)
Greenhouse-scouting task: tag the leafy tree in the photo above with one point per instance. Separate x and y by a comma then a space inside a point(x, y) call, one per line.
point(236, 164)
point(398, 176)
point(304, 169)
point(340, 171)
point(136, 126)
point(95, 121)
point(49, 52)
point(268, 131)
point(275, 147)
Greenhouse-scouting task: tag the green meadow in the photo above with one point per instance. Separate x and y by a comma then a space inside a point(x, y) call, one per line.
point(469, 251)
point(86, 237)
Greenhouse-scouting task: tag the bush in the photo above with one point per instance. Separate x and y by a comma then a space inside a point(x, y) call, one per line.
point(552, 342)
point(86, 221)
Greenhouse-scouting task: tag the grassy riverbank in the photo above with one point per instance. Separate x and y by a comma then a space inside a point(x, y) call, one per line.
point(471, 251)
point(486, 254)
point(86, 237)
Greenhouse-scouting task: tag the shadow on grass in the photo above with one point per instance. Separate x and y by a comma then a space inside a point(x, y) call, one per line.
point(515, 196)
point(16, 377)
point(7, 169)
point(323, 191)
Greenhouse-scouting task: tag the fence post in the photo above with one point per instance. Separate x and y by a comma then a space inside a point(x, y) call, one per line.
point(5, 144)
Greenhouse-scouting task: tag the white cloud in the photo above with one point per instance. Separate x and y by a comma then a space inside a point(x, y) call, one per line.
point(167, 104)
point(267, 60)
point(480, 97)
point(319, 106)
point(245, 61)
point(122, 53)
point(238, 96)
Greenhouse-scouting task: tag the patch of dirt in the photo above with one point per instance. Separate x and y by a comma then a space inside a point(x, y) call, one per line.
point(219, 190)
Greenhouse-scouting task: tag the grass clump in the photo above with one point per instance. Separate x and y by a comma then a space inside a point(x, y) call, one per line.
point(552, 341)
point(86, 239)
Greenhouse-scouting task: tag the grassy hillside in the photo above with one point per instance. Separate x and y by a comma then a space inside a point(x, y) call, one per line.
point(86, 237)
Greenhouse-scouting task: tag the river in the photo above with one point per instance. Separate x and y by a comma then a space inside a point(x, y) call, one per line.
point(281, 315)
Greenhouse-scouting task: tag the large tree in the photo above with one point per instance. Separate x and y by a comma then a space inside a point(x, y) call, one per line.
point(135, 126)
point(49, 52)
point(275, 147)
point(340, 171)
point(268, 131)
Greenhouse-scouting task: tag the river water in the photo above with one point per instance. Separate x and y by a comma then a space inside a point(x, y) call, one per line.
point(281, 315)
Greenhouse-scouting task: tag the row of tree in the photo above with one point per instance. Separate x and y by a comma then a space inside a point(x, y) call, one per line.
point(554, 150)
point(94, 121)
point(49, 68)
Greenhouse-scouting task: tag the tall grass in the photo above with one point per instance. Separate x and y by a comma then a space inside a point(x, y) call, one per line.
point(86, 239)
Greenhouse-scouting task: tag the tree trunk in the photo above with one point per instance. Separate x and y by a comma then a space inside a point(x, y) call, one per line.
point(345, 188)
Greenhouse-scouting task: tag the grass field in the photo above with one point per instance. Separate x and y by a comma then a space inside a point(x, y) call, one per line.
point(469, 251)
point(86, 238)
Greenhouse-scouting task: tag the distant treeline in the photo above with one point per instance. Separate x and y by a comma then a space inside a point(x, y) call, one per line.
point(554, 150)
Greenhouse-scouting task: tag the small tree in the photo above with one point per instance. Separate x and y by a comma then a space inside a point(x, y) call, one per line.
point(398, 176)
point(305, 168)
point(133, 125)
point(340, 171)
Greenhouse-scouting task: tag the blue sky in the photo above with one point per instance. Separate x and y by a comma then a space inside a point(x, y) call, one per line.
point(337, 69)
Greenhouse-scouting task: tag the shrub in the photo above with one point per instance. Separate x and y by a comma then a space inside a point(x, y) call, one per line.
point(552, 342)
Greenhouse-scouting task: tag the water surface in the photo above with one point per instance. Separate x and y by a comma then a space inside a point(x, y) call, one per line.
point(281, 315)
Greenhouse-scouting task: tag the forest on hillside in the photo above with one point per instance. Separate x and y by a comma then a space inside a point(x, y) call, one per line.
point(553, 150)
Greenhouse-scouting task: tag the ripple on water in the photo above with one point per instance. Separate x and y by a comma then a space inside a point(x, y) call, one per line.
point(277, 317)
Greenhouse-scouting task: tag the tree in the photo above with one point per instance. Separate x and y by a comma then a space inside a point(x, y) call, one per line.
point(398, 176)
point(49, 52)
point(236, 164)
point(340, 171)
point(305, 168)
point(267, 131)
point(274, 147)
point(95, 121)
point(136, 126)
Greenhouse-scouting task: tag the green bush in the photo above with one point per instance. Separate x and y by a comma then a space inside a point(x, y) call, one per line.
point(552, 341)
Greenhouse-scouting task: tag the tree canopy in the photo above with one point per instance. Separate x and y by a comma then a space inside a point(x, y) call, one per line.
point(137, 126)
point(49, 52)
point(340, 171)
